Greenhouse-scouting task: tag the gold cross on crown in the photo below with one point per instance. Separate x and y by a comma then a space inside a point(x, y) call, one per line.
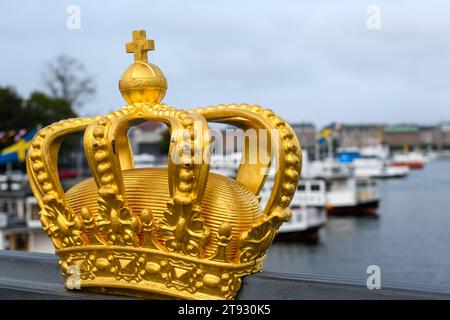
point(139, 46)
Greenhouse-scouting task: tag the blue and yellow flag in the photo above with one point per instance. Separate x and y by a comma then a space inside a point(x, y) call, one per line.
point(324, 135)
point(17, 151)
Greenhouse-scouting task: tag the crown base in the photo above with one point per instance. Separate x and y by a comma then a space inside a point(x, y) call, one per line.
point(149, 273)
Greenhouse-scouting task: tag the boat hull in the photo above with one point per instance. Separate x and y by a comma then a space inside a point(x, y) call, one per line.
point(310, 235)
point(369, 208)
point(388, 176)
point(411, 165)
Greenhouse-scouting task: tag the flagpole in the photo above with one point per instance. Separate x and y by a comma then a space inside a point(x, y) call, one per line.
point(8, 168)
point(316, 147)
point(330, 148)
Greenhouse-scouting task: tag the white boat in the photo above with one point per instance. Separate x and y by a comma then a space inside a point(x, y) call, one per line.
point(324, 169)
point(13, 181)
point(352, 196)
point(346, 194)
point(307, 206)
point(377, 151)
point(225, 165)
point(377, 168)
point(413, 160)
point(20, 227)
point(144, 160)
point(443, 155)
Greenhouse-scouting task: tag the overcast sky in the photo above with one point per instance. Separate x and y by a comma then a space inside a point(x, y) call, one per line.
point(313, 61)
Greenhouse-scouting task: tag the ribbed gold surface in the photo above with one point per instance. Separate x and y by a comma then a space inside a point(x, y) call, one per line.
point(224, 200)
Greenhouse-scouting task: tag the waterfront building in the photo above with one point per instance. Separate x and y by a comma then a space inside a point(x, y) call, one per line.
point(400, 135)
point(442, 136)
point(147, 138)
point(350, 135)
point(307, 135)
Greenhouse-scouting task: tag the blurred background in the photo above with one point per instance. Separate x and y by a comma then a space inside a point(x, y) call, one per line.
point(363, 84)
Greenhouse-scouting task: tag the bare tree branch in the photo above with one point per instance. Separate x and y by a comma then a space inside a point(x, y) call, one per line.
point(66, 78)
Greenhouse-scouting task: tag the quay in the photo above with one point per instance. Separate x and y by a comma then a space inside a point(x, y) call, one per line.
point(36, 276)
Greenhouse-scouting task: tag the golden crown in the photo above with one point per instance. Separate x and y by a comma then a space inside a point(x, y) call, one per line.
point(178, 231)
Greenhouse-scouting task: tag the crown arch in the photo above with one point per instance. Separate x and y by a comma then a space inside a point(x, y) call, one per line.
point(284, 147)
point(58, 219)
point(109, 154)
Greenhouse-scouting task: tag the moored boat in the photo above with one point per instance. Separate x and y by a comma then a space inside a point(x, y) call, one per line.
point(307, 206)
point(412, 160)
point(308, 210)
point(354, 196)
point(20, 226)
point(346, 194)
point(377, 168)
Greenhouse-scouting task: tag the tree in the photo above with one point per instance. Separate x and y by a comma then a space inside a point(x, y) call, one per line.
point(66, 78)
point(42, 110)
point(37, 111)
point(10, 106)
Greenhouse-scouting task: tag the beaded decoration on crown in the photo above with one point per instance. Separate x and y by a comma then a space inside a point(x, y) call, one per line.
point(178, 231)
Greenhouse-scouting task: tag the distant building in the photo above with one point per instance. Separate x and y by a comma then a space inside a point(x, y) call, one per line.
point(400, 135)
point(396, 136)
point(351, 135)
point(416, 136)
point(427, 136)
point(147, 138)
point(307, 135)
point(442, 136)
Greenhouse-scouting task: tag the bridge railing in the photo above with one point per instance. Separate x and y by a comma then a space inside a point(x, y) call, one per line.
point(26, 275)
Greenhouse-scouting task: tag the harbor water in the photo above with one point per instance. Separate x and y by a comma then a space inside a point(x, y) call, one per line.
point(410, 241)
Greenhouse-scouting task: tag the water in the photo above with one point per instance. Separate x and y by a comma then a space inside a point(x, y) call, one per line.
point(410, 241)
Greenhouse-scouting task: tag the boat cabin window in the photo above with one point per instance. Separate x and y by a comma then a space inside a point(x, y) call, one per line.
point(315, 187)
point(335, 170)
point(13, 206)
point(362, 184)
point(301, 187)
point(337, 185)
